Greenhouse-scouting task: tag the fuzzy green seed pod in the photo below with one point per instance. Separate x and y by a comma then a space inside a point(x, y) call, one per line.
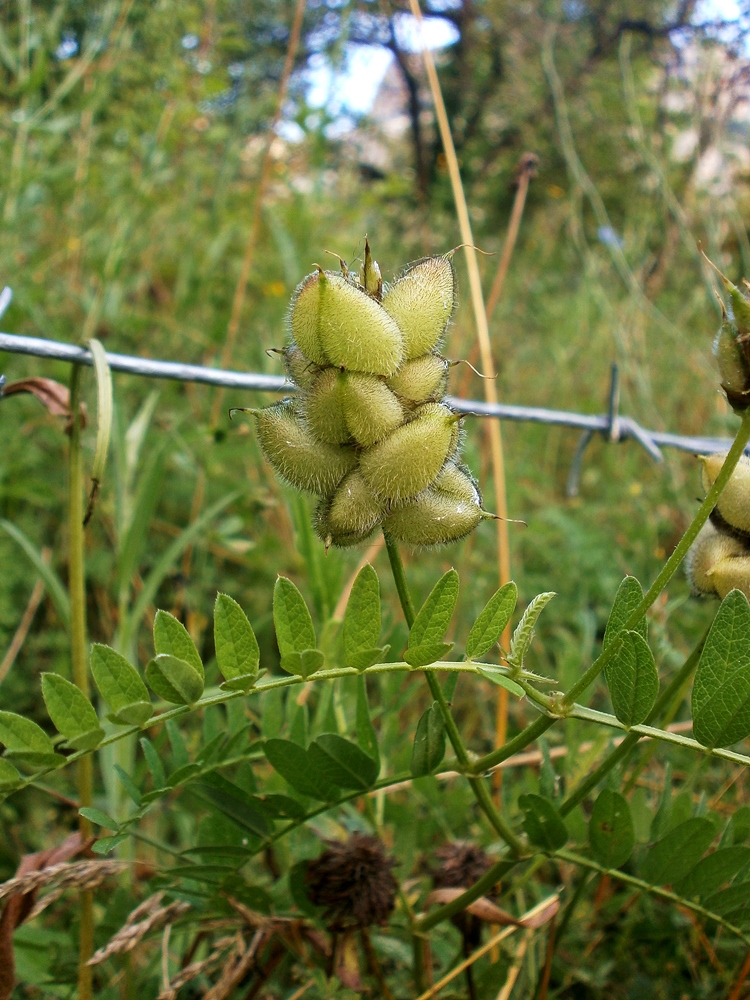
point(351, 514)
point(421, 301)
point(436, 516)
point(324, 408)
point(458, 481)
point(730, 359)
point(300, 459)
point(332, 318)
point(370, 408)
point(409, 460)
point(299, 368)
point(421, 379)
point(303, 319)
point(733, 506)
point(717, 563)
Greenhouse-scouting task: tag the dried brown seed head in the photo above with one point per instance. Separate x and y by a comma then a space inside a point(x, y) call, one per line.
point(353, 882)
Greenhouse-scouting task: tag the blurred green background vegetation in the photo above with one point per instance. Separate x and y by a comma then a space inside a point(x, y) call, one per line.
point(133, 135)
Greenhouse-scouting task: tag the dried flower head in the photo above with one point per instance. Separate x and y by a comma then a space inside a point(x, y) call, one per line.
point(353, 882)
point(461, 865)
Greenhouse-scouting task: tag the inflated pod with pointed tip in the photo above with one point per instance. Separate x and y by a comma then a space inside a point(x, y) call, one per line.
point(370, 409)
point(296, 455)
point(324, 409)
point(299, 369)
point(458, 481)
point(712, 558)
point(351, 514)
point(421, 301)
point(730, 359)
point(435, 517)
point(334, 319)
point(733, 505)
point(303, 319)
point(421, 379)
point(410, 459)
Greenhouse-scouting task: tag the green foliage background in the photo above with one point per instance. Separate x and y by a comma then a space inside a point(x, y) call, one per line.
point(127, 200)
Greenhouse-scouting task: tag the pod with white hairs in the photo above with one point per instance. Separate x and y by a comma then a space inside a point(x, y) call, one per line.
point(422, 379)
point(296, 455)
point(717, 563)
point(732, 509)
point(410, 459)
point(351, 514)
point(371, 411)
point(421, 301)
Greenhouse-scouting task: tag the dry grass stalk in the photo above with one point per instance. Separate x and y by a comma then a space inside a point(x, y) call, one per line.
point(135, 930)
point(530, 919)
point(238, 966)
point(79, 875)
point(195, 969)
point(515, 969)
point(27, 618)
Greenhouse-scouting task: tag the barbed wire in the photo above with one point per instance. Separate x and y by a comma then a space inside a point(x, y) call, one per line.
point(613, 426)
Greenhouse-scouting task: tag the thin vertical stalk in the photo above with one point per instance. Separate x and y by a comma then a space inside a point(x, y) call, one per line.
point(492, 427)
point(240, 291)
point(76, 585)
point(478, 786)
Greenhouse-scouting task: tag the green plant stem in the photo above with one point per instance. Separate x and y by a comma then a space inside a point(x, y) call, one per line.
point(519, 742)
point(653, 890)
point(481, 793)
point(670, 566)
point(399, 578)
point(661, 704)
point(76, 585)
point(485, 883)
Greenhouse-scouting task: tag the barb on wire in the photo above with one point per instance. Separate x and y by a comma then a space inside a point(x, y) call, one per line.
point(626, 427)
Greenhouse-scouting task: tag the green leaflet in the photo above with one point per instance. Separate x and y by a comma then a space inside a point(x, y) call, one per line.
point(71, 712)
point(361, 629)
point(294, 627)
point(721, 691)
point(629, 595)
point(292, 763)
point(27, 742)
point(171, 636)
point(153, 762)
point(236, 804)
point(429, 742)
point(174, 680)
point(303, 663)
point(9, 776)
point(524, 633)
point(713, 871)
point(542, 822)
point(611, 832)
point(120, 685)
point(99, 817)
point(435, 615)
point(426, 653)
point(367, 739)
point(488, 627)
point(237, 652)
point(674, 855)
point(342, 763)
point(632, 679)
point(502, 680)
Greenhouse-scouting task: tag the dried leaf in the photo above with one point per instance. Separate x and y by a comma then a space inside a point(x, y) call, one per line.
point(54, 396)
point(195, 969)
point(20, 902)
point(237, 968)
point(486, 910)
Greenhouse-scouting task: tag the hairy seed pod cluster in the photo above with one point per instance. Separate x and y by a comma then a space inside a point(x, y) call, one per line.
point(368, 431)
point(719, 558)
point(732, 344)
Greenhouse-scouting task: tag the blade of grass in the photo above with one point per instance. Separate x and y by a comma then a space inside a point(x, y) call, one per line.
point(52, 581)
point(103, 421)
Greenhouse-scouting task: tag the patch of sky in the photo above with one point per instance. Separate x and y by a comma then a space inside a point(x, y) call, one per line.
point(67, 47)
point(348, 91)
